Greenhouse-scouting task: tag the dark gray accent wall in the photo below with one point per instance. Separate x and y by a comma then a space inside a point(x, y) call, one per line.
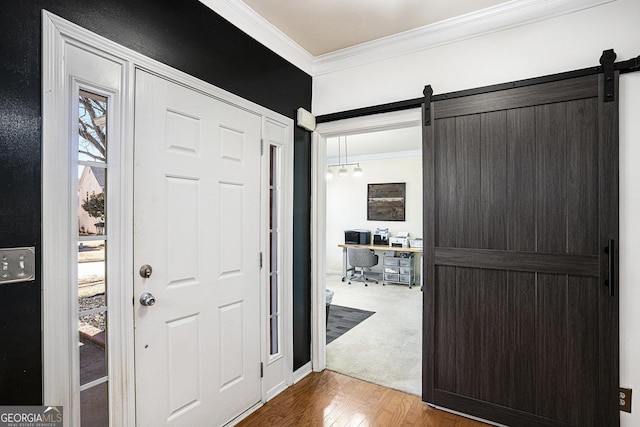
point(302, 258)
point(183, 34)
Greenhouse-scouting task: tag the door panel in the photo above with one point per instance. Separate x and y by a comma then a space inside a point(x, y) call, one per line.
point(196, 221)
point(522, 360)
point(184, 370)
point(467, 201)
point(493, 182)
point(516, 313)
point(521, 166)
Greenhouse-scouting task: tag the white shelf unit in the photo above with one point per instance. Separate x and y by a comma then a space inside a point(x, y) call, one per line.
point(399, 267)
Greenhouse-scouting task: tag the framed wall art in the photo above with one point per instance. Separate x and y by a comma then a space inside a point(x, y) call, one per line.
point(385, 202)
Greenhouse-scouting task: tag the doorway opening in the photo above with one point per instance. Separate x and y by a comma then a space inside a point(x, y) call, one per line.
point(384, 347)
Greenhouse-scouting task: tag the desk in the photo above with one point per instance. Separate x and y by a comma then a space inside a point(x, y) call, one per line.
point(379, 248)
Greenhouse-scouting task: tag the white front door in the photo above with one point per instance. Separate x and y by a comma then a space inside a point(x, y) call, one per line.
point(197, 225)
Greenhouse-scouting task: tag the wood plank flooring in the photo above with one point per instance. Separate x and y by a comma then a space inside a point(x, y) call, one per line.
point(331, 399)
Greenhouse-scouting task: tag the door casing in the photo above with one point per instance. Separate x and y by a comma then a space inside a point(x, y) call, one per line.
point(58, 210)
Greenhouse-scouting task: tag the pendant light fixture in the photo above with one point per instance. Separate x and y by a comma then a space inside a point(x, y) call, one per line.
point(343, 172)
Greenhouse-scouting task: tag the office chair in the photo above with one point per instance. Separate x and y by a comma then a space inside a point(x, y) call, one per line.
point(361, 258)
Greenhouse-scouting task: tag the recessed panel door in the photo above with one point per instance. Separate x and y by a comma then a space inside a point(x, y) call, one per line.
point(196, 228)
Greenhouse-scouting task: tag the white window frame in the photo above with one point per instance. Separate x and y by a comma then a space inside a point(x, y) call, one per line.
point(60, 90)
point(278, 368)
point(275, 205)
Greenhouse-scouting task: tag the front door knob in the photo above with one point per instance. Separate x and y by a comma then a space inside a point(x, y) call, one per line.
point(147, 299)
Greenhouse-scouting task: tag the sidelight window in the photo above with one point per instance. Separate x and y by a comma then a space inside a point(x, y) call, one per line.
point(92, 241)
point(275, 276)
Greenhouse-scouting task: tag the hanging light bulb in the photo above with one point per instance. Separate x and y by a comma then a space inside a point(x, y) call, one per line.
point(357, 171)
point(329, 173)
point(342, 172)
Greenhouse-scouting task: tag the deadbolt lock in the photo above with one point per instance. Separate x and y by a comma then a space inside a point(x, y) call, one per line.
point(145, 271)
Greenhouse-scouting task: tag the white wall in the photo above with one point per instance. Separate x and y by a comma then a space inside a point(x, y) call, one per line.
point(630, 241)
point(560, 44)
point(347, 203)
point(555, 45)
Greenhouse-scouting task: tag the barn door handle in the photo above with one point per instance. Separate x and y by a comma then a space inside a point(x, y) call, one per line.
point(610, 281)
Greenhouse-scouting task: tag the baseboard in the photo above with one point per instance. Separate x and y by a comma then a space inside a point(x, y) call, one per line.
point(276, 391)
point(302, 372)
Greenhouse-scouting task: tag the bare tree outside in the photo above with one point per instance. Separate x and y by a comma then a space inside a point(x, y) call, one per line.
point(92, 128)
point(92, 145)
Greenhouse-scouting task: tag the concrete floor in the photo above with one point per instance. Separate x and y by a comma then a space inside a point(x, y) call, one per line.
point(94, 401)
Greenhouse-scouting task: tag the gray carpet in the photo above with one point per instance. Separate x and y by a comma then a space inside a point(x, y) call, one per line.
point(343, 319)
point(385, 349)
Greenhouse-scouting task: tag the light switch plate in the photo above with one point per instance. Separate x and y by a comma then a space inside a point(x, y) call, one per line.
point(17, 265)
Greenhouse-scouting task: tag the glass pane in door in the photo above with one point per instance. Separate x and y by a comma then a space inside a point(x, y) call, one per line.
point(274, 250)
point(92, 188)
point(92, 127)
point(93, 355)
point(94, 403)
point(92, 263)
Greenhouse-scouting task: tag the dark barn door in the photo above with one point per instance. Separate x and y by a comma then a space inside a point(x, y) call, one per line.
point(521, 202)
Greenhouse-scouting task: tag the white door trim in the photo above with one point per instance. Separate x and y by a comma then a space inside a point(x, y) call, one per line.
point(59, 224)
point(279, 135)
point(58, 212)
point(372, 123)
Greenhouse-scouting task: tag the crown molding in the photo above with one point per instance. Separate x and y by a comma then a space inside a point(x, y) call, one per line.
point(490, 20)
point(493, 19)
point(247, 20)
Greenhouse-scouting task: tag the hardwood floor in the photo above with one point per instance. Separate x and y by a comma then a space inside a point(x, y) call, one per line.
point(331, 399)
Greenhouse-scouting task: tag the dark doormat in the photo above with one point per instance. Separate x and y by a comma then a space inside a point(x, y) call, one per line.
point(342, 319)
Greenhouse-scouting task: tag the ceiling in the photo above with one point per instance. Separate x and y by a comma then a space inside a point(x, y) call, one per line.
point(325, 35)
point(376, 145)
point(324, 26)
